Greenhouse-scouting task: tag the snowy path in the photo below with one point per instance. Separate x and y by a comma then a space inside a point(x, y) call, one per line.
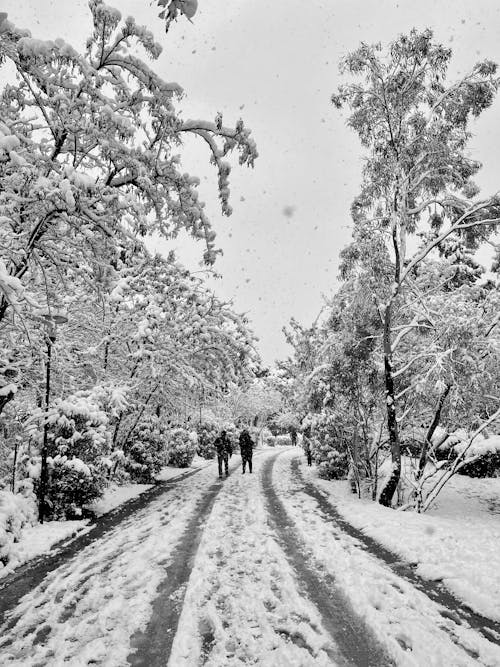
point(86, 609)
point(416, 629)
point(254, 570)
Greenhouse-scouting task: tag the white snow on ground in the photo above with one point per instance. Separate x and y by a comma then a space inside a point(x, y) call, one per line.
point(457, 541)
point(243, 604)
point(170, 472)
point(405, 619)
point(242, 592)
point(39, 539)
point(469, 498)
point(114, 496)
point(91, 605)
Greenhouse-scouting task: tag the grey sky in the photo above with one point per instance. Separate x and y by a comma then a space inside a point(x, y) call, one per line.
point(274, 63)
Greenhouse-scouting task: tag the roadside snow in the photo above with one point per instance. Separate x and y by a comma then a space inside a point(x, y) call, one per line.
point(170, 472)
point(408, 622)
point(114, 496)
point(455, 542)
point(242, 603)
point(37, 540)
point(88, 608)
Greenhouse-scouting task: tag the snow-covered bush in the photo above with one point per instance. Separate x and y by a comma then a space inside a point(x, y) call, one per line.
point(77, 428)
point(16, 511)
point(329, 451)
point(482, 457)
point(148, 452)
point(332, 463)
point(182, 447)
point(72, 484)
point(283, 440)
point(486, 465)
point(207, 432)
point(77, 445)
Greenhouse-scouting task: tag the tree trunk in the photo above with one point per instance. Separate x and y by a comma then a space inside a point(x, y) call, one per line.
point(356, 478)
point(430, 432)
point(141, 412)
point(14, 466)
point(392, 424)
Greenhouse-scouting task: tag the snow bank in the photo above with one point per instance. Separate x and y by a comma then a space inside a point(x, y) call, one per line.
point(403, 617)
point(456, 542)
point(16, 512)
point(114, 496)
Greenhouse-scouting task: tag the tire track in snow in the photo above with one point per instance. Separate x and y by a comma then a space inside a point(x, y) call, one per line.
point(86, 609)
point(453, 609)
point(243, 605)
point(31, 574)
point(152, 646)
point(404, 618)
point(354, 639)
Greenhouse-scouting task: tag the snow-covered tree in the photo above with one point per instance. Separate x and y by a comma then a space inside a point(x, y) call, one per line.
point(90, 162)
point(417, 179)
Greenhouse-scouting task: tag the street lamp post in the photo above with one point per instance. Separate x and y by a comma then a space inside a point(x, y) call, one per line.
point(51, 319)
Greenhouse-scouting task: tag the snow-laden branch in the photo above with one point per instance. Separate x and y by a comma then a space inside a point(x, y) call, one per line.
point(403, 369)
point(458, 463)
point(459, 225)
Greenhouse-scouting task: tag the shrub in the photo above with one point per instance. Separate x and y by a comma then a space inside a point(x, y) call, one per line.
point(329, 452)
point(486, 465)
point(484, 452)
point(17, 510)
point(332, 463)
point(207, 432)
point(77, 443)
point(182, 448)
point(148, 452)
point(411, 448)
point(72, 485)
point(283, 440)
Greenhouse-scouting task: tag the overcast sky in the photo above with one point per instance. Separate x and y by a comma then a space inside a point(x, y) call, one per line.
point(274, 63)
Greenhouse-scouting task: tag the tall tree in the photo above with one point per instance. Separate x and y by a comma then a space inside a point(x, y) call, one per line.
point(417, 178)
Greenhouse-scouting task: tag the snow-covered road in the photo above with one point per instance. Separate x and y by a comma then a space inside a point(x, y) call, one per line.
point(248, 571)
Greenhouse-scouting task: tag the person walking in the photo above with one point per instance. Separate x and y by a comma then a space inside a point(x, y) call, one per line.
point(224, 450)
point(246, 450)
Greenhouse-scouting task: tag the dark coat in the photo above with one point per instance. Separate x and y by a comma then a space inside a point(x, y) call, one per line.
point(246, 445)
point(223, 445)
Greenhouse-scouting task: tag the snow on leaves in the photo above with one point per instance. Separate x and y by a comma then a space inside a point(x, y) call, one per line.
point(86, 147)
